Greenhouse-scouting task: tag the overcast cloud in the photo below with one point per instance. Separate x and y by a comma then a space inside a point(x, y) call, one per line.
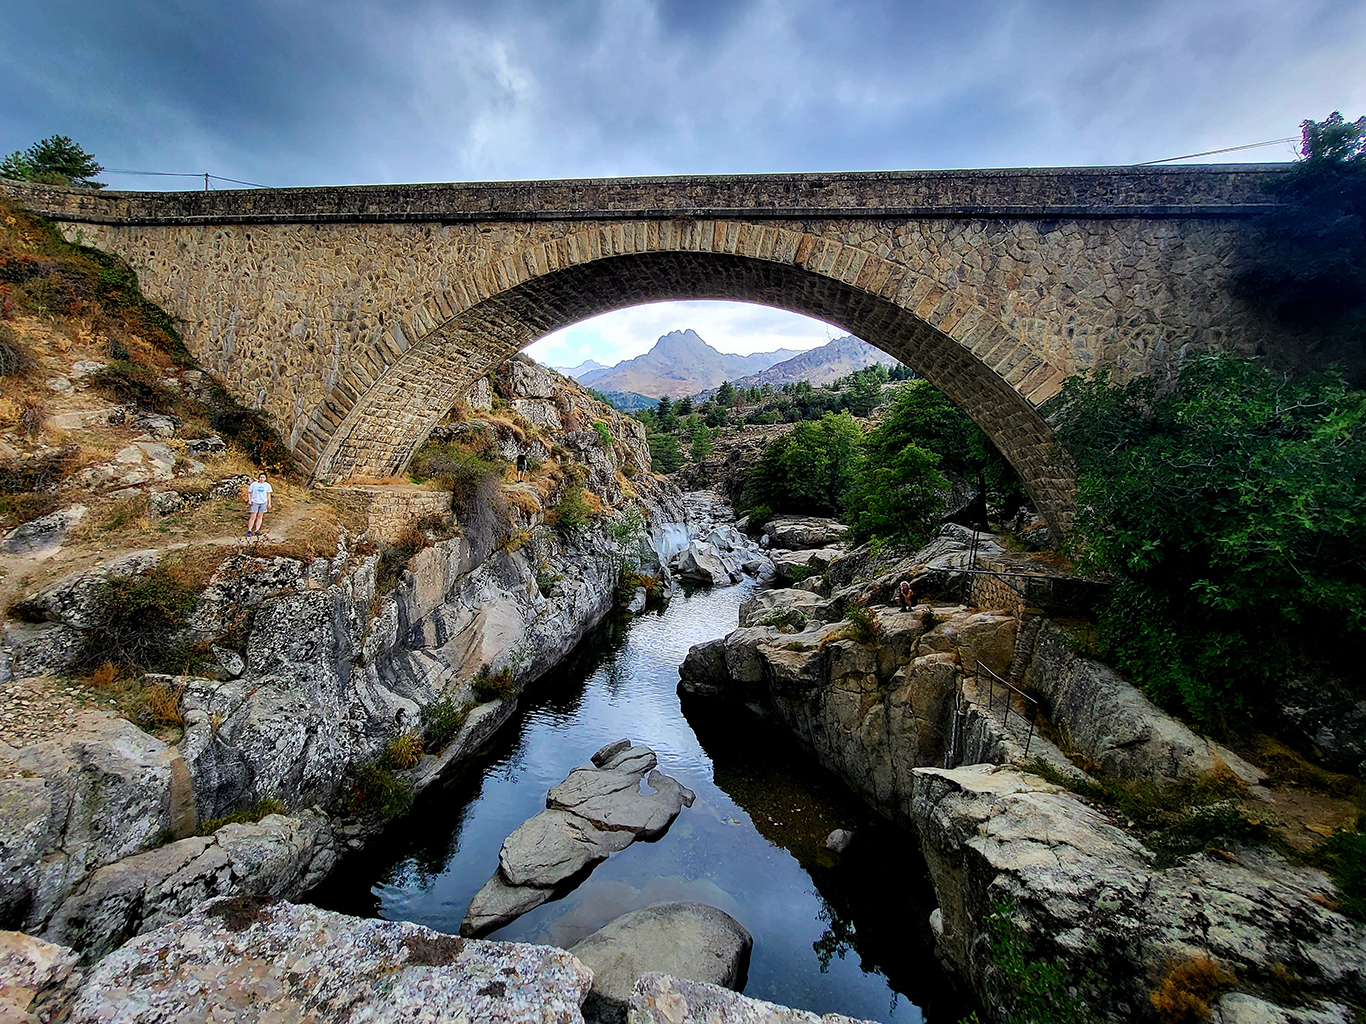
point(305, 92)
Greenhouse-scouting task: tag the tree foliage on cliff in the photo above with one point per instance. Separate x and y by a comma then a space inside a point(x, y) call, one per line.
point(1309, 267)
point(1229, 511)
point(55, 160)
point(810, 469)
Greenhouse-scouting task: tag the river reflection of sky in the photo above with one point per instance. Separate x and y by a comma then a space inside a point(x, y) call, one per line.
point(749, 844)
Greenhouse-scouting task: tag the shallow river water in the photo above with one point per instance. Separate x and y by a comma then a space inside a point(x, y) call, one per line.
point(848, 937)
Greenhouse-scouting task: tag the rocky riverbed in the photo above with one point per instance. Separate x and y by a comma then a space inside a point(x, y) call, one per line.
point(913, 710)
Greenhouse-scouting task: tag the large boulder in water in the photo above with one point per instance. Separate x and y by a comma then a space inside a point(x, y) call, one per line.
point(664, 999)
point(688, 940)
point(699, 562)
point(799, 532)
point(597, 811)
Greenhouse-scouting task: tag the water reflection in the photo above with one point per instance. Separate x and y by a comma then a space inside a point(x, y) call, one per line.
point(848, 936)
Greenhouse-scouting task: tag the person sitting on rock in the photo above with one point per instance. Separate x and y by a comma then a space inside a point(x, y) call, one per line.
point(905, 595)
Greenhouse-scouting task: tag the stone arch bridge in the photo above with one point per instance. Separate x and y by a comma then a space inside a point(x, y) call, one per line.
point(355, 317)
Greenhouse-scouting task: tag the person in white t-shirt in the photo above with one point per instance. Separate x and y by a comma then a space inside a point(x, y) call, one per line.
point(258, 504)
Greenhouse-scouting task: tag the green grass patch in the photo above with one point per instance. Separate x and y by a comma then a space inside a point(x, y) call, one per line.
point(262, 808)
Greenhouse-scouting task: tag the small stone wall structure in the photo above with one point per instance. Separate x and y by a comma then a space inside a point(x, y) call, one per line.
point(390, 510)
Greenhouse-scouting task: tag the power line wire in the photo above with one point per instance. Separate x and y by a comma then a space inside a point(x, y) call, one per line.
point(183, 174)
point(1213, 152)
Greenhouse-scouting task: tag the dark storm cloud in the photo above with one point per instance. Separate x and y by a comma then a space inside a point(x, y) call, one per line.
point(303, 91)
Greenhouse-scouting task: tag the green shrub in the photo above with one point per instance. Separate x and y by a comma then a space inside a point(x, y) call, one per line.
point(1225, 508)
point(866, 627)
point(604, 434)
point(1344, 857)
point(490, 685)
point(394, 557)
point(1034, 991)
point(442, 721)
point(376, 792)
point(140, 621)
point(572, 511)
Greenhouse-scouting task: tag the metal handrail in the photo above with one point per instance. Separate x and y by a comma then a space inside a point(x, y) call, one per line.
point(1008, 689)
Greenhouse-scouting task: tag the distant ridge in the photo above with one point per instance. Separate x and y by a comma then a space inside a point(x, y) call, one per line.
point(587, 366)
point(680, 363)
point(830, 362)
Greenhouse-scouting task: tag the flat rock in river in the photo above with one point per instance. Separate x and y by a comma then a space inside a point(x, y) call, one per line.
point(597, 811)
point(664, 999)
point(688, 940)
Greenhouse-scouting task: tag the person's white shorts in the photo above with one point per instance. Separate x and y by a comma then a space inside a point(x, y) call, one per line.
point(256, 506)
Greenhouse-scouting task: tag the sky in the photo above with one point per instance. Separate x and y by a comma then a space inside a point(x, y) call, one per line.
point(319, 92)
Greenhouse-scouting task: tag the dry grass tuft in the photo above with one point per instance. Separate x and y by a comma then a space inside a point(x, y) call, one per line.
point(1185, 995)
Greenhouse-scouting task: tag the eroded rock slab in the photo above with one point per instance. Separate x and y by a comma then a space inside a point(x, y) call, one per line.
point(245, 960)
point(664, 999)
point(688, 940)
point(597, 811)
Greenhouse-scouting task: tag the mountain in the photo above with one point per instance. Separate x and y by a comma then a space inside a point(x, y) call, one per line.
point(628, 401)
point(831, 361)
point(680, 364)
point(587, 366)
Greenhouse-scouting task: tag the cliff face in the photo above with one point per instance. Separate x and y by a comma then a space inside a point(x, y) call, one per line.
point(312, 667)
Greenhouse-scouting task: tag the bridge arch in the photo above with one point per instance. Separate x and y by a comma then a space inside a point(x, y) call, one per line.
point(374, 419)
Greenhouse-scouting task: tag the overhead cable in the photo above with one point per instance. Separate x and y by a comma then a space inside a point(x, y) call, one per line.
point(1213, 152)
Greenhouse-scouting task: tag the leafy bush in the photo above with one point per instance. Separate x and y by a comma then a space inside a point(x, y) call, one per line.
point(442, 721)
point(810, 469)
point(377, 792)
point(1307, 270)
point(572, 511)
point(604, 434)
point(1228, 511)
point(866, 627)
point(140, 622)
point(1344, 857)
point(1034, 991)
point(490, 685)
point(395, 555)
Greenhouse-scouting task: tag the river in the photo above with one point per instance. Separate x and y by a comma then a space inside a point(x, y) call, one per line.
point(845, 937)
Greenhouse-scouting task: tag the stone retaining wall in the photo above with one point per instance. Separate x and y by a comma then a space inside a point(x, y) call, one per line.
point(389, 511)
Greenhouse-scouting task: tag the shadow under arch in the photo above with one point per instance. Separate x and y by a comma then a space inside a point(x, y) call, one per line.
point(381, 428)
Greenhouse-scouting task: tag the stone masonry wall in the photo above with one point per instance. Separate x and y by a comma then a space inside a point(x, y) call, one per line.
point(355, 317)
point(390, 510)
